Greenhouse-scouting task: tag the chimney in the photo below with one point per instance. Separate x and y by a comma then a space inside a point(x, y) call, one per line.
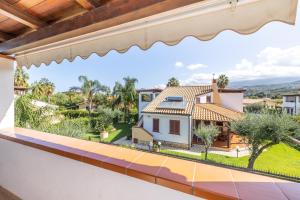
point(216, 94)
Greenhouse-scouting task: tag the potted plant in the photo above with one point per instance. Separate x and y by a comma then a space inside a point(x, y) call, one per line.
point(100, 126)
point(155, 148)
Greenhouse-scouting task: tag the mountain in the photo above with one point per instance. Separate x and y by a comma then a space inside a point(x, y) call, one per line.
point(272, 88)
point(257, 82)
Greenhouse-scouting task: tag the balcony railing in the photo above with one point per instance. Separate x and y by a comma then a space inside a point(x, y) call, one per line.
point(36, 165)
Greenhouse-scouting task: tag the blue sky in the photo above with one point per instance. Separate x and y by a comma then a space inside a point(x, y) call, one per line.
point(273, 51)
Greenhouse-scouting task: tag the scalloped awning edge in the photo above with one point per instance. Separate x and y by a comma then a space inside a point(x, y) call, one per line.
point(204, 21)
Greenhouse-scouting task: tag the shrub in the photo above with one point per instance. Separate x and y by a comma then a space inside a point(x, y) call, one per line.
point(73, 114)
point(29, 116)
point(254, 108)
point(101, 123)
point(69, 127)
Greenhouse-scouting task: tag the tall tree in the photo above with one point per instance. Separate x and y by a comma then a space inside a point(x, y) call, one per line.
point(207, 134)
point(125, 95)
point(21, 78)
point(223, 81)
point(43, 88)
point(89, 88)
point(263, 131)
point(173, 82)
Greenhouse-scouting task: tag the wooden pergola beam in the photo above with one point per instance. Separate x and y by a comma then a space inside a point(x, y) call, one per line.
point(91, 4)
point(112, 13)
point(12, 12)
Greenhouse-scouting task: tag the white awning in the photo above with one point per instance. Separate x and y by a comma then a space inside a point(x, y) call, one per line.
point(203, 20)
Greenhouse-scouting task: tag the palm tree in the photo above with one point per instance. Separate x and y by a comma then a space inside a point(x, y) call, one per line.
point(43, 88)
point(223, 81)
point(21, 78)
point(89, 88)
point(125, 95)
point(173, 82)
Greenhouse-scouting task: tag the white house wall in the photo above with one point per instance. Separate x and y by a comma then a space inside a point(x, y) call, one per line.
point(163, 134)
point(6, 93)
point(203, 97)
point(232, 101)
point(294, 105)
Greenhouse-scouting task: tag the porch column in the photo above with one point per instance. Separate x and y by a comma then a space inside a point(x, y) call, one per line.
point(7, 118)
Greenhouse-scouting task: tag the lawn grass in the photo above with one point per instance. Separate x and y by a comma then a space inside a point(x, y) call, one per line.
point(122, 130)
point(279, 158)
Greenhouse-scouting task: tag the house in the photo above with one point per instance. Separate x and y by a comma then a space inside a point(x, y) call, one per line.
point(20, 90)
point(176, 112)
point(266, 102)
point(291, 103)
point(146, 96)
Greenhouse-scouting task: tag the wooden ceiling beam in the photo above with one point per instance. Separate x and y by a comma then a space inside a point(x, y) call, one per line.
point(91, 4)
point(112, 13)
point(5, 36)
point(85, 4)
point(14, 13)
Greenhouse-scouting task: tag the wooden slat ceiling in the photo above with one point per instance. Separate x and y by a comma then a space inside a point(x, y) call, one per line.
point(37, 13)
point(24, 22)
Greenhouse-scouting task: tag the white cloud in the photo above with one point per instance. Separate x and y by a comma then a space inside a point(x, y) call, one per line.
point(270, 63)
point(196, 66)
point(179, 64)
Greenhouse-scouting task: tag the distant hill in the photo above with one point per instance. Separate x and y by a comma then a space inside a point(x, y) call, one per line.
point(272, 88)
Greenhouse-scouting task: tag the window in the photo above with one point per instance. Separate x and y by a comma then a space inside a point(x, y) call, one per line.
point(147, 97)
point(206, 123)
point(198, 100)
point(219, 123)
point(208, 99)
point(290, 99)
point(155, 127)
point(175, 127)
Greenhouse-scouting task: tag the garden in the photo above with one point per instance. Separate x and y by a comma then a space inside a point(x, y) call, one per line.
point(90, 112)
point(95, 113)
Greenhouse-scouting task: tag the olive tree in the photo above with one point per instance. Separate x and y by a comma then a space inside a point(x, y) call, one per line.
point(207, 135)
point(263, 131)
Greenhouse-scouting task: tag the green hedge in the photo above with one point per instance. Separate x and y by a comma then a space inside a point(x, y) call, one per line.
point(73, 114)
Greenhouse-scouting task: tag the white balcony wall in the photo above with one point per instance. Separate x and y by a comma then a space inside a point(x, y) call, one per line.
point(6, 93)
point(33, 174)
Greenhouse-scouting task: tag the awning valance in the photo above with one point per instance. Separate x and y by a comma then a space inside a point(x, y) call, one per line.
point(203, 20)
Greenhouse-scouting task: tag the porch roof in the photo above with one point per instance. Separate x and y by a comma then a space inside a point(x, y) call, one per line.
point(213, 112)
point(41, 31)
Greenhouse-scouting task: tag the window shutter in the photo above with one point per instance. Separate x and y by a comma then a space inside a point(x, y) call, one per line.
point(175, 127)
point(155, 125)
point(171, 127)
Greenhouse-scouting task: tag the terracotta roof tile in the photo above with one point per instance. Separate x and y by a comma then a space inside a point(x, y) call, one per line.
point(213, 112)
point(188, 93)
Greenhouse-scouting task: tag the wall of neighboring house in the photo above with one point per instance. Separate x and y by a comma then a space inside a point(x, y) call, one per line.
point(233, 101)
point(290, 105)
point(164, 129)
